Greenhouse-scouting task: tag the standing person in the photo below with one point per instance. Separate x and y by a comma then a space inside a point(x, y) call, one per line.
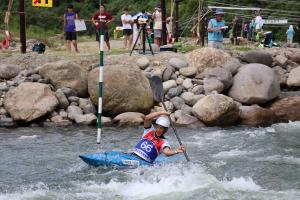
point(252, 29)
point(153, 141)
point(236, 30)
point(106, 18)
point(157, 18)
point(216, 27)
point(69, 28)
point(290, 34)
point(127, 28)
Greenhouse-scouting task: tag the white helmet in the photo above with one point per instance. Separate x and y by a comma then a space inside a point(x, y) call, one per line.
point(163, 121)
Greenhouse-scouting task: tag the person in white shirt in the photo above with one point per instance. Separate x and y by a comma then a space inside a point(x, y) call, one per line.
point(259, 22)
point(127, 28)
point(157, 18)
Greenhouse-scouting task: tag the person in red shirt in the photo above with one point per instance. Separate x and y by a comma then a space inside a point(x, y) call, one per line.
point(107, 18)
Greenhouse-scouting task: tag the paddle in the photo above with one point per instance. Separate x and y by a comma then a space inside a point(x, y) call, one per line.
point(157, 88)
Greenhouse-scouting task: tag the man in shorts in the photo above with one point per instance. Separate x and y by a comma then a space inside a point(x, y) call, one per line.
point(127, 28)
point(69, 28)
point(216, 27)
point(106, 18)
point(157, 18)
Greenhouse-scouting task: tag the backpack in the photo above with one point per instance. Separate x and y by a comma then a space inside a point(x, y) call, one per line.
point(40, 48)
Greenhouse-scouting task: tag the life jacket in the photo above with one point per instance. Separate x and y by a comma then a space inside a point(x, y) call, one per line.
point(149, 146)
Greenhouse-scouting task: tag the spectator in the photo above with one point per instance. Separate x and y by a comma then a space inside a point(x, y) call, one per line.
point(69, 28)
point(106, 18)
point(156, 16)
point(127, 28)
point(216, 27)
point(236, 30)
point(290, 34)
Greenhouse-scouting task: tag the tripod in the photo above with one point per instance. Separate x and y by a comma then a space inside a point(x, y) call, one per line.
point(144, 36)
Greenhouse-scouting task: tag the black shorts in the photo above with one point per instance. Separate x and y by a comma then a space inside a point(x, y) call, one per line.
point(71, 36)
point(106, 36)
point(127, 32)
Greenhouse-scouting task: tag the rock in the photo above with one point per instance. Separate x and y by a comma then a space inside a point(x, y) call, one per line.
point(7, 122)
point(57, 119)
point(187, 109)
point(294, 77)
point(256, 116)
point(3, 111)
point(177, 102)
point(30, 101)
point(62, 99)
point(87, 106)
point(188, 71)
point(179, 81)
point(174, 77)
point(67, 74)
point(251, 87)
point(187, 84)
point(294, 57)
point(73, 111)
point(168, 85)
point(281, 75)
point(287, 109)
point(188, 98)
point(74, 104)
point(213, 84)
point(232, 65)
point(9, 71)
point(174, 92)
point(129, 119)
point(106, 121)
point(73, 99)
point(143, 63)
point(260, 57)
point(169, 105)
point(207, 58)
point(158, 72)
point(126, 89)
point(63, 114)
point(86, 119)
point(185, 120)
point(216, 110)
point(168, 73)
point(221, 74)
point(35, 77)
point(281, 60)
point(197, 90)
point(178, 63)
point(68, 91)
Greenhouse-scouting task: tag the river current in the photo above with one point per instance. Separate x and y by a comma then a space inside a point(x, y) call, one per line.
point(232, 163)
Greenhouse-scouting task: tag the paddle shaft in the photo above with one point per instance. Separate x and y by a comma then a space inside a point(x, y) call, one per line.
point(175, 132)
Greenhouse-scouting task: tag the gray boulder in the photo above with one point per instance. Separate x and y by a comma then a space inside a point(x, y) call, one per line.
point(129, 119)
point(62, 99)
point(86, 119)
point(87, 106)
point(178, 63)
point(30, 101)
point(221, 74)
point(143, 63)
point(73, 111)
point(255, 84)
point(177, 102)
point(9, 71)
point(256, 116)
point(232, 65)
point(167, 85)
point(258, 57)
point(188, 71)
point(216, 110)
point(294, 77)
point(67, 74)
point(187, 84)
point(168, 73)
point(213, 84)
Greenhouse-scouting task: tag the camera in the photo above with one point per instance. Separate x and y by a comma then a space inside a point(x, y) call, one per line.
point(142, 21)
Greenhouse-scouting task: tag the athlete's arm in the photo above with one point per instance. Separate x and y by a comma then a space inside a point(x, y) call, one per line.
point(149, 118)
point(168, 152)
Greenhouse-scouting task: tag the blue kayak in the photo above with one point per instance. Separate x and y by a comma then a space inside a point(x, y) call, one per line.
point(124, 160)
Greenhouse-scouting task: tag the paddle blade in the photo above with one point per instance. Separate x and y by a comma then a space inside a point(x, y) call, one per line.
point(157, 88)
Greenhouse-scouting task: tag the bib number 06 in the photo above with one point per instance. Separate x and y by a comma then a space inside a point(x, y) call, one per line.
point(147, 147)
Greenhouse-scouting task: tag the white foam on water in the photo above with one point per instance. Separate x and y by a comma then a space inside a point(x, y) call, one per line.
point(233, 153)
point(27, 137)
point(280, 159)
point(241, 184)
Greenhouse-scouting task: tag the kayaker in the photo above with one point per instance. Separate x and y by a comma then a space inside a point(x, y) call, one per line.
point(153, 141)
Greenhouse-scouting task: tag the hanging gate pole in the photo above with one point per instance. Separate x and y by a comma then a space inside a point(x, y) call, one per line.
point(100, 84)
point(22, 26)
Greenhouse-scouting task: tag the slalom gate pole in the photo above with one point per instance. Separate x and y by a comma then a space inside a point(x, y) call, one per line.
point(100, 84)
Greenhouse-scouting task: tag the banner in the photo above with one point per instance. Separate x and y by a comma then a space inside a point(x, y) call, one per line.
point(80, 25)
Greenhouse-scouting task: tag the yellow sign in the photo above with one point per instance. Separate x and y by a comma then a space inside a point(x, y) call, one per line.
point(42, 3)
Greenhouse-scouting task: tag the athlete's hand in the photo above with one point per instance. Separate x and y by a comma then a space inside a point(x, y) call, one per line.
point(181, 149)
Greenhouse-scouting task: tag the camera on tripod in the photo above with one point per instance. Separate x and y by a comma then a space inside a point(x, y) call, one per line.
point(143, 21)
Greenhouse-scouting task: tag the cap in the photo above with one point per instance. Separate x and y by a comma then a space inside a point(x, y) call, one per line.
point(220, 11)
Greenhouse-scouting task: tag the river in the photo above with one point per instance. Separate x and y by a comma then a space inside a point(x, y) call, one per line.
point(232, 163)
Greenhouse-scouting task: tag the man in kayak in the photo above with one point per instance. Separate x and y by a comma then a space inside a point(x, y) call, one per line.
point(153, 141)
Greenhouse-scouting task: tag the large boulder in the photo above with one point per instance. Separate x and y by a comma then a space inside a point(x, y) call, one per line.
point(125, 89)
point(255, 84)
point(287, 109)
point(216, 110)
point(66, 74)
point(178, 63)
point(9, 71)
point(258, 57)
point(30, 101)
point(207, 58)
point(221, 74)
point(129, 119)
point(232, 65)
point(294, 77)
point(256, 116)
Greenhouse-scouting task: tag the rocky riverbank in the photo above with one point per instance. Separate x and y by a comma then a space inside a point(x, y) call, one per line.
point(205, 87)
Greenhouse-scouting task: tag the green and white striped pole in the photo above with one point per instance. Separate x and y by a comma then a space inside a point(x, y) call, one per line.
point(100, 85)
